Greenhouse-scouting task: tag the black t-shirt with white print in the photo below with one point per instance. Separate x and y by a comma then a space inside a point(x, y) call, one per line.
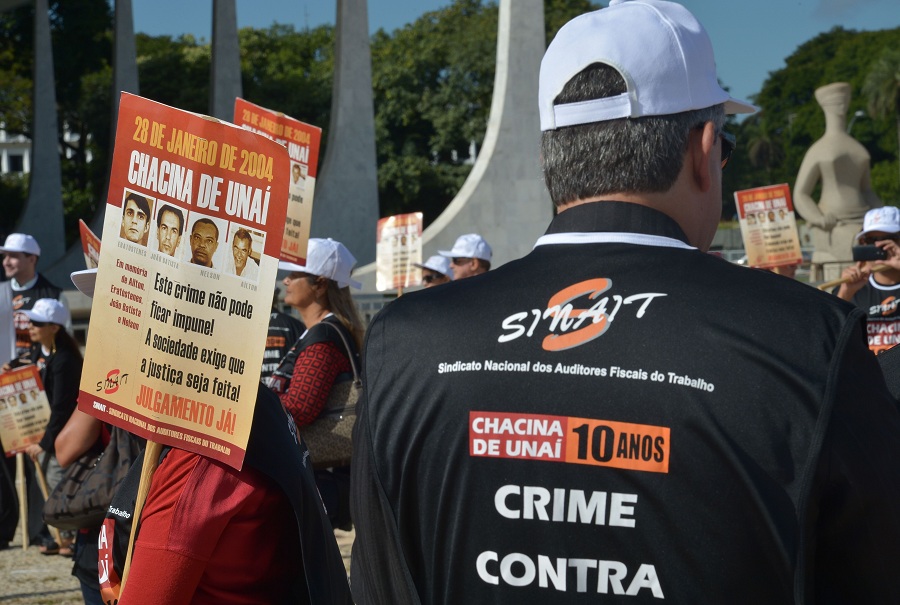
point(618, 417)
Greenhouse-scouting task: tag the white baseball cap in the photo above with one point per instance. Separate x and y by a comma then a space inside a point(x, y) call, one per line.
point(470, 245)
point(886, 219)
point(85, 280)
point(21, 242)
point(437, 263)
point(659, 48)
point(48, 310)
point(326, 258)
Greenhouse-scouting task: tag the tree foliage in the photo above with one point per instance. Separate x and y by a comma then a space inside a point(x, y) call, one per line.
point(433, 85)
point(433, 82)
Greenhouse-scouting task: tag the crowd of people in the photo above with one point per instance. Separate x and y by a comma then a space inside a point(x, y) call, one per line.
point(616, 415)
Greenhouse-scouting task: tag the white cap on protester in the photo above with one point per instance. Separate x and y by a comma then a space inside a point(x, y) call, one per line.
point(470, 245)
point(437, 263)
point(48, 310)
point(85, 280)
point(326, 258)
point(886, 219)
point(660, 49)
point(21, 242)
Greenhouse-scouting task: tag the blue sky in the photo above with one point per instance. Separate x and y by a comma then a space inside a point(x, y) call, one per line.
point(750, 39)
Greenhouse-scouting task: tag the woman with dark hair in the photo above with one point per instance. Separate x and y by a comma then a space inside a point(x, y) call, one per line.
point(320, 292)
point(59, 361)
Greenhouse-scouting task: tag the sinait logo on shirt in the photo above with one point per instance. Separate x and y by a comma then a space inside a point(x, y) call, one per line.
point(887, 307)
point(570, 327)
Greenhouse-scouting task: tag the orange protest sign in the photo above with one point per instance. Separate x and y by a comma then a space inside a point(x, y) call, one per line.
point(302, 144)
point(768, 226)
point(24, 409)
point(90, 245)
point(398, 246)
point(192, 234)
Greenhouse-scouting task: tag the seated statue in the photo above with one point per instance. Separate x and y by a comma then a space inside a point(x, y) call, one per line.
point(842, 165)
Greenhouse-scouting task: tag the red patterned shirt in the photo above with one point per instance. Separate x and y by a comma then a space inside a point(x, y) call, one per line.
point(315, 371)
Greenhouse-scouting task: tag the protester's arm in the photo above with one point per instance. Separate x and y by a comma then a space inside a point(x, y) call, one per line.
point(315, 371)
point(77, 437)
point(855, 540)
point(180, 528)
point(856, 275)
point(161, 576)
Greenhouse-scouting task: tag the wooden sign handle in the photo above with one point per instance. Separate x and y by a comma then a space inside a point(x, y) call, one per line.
point(23, 497)
point(151, 461)
point(843, 280)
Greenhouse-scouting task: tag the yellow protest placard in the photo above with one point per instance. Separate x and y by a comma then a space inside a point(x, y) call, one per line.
point(191, 239)
point(301, 141)
point(24, 409)
point(768, 226)
point(398, 248)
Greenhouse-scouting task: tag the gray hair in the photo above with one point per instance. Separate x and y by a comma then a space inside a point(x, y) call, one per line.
point(628, 155)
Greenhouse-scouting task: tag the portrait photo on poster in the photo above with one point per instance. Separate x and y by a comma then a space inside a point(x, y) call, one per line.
point(246, 245)
point(135, 226)
point(168, 228)
point(204, 236)
point(298, 181)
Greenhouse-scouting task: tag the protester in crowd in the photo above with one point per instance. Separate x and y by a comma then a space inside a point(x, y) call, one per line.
point(204, 241)
point(57, 356)
point(320, 292)
point(242, 262)
point(875, 292)
point(436, 271)
point(619, 413)
point(284, 330)
point(169, 227)
point(471, 255)
point(211, 534)
point(82, 434)
point(23, 287)
point(135, 219)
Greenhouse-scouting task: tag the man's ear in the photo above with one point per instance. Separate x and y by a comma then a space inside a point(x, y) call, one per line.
point(701, 144)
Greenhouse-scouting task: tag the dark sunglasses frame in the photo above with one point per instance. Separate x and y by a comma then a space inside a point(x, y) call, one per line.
point(38, 324)
point(729, 142)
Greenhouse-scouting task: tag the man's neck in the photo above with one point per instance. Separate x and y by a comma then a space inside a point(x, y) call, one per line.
point(23, 284)
point(888, 277)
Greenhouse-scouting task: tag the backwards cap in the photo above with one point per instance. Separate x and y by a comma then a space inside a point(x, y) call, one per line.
point(659, 48)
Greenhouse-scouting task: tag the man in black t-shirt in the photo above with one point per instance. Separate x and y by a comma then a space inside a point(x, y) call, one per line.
point(618, 416)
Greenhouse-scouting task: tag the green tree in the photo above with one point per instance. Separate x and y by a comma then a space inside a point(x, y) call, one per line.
point(81, 35)
point(433, 85)
point(882, 88)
